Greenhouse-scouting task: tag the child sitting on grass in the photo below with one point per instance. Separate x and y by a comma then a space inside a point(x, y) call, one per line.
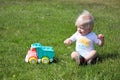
point(85, 39)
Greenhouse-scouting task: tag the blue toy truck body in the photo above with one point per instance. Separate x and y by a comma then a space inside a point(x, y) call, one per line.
point(44, 51)
point(39, 53)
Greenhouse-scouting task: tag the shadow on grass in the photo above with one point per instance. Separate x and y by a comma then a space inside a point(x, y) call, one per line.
point(56, 60)
point(105, 56)
point(99, 59)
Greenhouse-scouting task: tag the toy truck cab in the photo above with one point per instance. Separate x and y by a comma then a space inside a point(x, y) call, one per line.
point(45, 54)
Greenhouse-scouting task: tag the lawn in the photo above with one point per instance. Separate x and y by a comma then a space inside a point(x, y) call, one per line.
point(50, 22)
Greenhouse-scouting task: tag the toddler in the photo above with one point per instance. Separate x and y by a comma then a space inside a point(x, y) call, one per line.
point(85, 39)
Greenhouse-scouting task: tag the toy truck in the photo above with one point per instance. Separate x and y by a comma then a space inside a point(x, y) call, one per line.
point(39, 53)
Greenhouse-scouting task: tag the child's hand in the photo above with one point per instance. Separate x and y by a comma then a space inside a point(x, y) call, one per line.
point(67, 41)
point(100, 36)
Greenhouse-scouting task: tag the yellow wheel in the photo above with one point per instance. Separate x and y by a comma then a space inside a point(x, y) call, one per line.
point(33, 60)
point(45, 60)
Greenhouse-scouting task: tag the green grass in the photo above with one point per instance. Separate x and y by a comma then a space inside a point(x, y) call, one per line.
point(23, 22)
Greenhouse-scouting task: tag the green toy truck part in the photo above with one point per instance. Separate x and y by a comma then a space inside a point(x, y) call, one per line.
point(39, 53)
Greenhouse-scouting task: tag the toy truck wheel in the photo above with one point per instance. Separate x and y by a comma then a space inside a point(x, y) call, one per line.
point(45, 60)
point(33, 60)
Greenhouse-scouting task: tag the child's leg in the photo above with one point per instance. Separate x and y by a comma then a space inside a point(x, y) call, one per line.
point(79, 59)
point(74, 55)
point(90, 56)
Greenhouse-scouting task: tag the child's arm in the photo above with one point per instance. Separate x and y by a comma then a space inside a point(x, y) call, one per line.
point(101, 37)
point(71, 39)
point(68, 41)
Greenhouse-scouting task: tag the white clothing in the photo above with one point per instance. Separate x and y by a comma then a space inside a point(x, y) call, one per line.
point(84, 44)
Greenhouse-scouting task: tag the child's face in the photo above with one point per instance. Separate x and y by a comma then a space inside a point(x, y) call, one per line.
point(83, 30)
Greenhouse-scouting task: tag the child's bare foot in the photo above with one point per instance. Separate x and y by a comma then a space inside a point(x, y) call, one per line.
point(80, 60)
point(77, 59)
